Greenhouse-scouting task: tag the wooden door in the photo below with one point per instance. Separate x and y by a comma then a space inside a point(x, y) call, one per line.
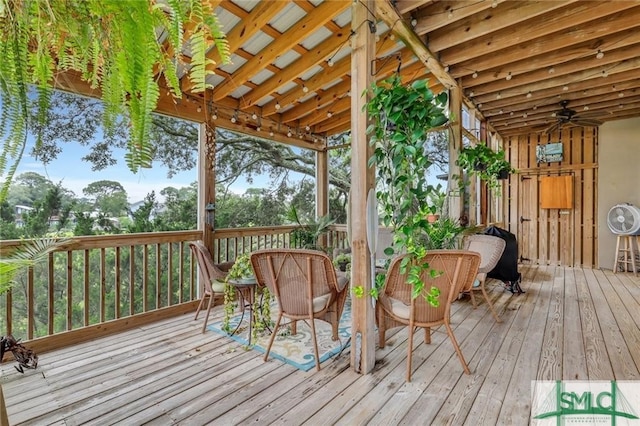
point(545, 235)
point(527, 222)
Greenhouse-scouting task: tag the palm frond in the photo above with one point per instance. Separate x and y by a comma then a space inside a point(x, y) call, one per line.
point(28, 255)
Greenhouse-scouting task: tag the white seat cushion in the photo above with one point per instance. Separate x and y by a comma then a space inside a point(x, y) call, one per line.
point(217, 286)
point(321, 302)
point(399, 309)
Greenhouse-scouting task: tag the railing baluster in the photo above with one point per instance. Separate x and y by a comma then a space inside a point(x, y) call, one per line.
point(145, 277)
point(118, 283)
point(87, 307)
point(132, 280)
point(51, 302)
point(69, 290)
point(30, 313)
point(169, 272)
point(158, 276)
point(181, 275)
point(103, 283)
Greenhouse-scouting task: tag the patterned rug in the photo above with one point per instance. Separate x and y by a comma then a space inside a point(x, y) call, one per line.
point(294, 349)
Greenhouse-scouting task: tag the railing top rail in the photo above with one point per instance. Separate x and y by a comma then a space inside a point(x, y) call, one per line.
point(107, 241)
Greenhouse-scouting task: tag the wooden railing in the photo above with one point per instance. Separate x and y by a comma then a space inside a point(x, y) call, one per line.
point(96, 279)
point(118, 279)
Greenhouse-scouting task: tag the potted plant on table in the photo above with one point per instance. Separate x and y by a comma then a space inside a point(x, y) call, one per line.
point(342, 261)
point(242, 273)
point(437, 199)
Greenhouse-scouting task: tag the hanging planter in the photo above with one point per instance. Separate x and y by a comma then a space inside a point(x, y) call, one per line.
point(503, 174)
point(482, 161)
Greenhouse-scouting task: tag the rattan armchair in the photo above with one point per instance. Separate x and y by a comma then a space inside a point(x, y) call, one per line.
point(490, 249)
point(396, 307)
point(211, 277)
point(306, 287)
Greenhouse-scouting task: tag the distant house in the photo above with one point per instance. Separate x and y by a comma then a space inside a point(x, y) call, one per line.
point(133, 207)
point(21, 210)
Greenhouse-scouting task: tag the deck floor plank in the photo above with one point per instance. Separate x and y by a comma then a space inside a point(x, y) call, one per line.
point(571, 323)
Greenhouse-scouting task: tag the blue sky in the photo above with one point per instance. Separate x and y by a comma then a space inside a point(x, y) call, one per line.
point(76, 174)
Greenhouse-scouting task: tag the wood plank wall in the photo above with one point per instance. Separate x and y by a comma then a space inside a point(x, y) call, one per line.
point(554, 236)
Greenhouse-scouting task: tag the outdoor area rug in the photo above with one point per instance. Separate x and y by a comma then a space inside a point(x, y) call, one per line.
point(296, 350)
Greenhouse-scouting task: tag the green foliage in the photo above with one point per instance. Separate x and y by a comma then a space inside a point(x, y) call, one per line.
point(114, 46)
point(142, 217)
point(441, 234)
point(310, 230)
point(482, 161)
point(437, 197)
point(241, 268)
point(403, 116)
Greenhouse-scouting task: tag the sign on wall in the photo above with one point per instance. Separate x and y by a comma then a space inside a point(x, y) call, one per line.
point(549, 153)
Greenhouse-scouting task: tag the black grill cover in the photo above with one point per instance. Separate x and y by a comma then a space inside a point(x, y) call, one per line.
point(507, 268)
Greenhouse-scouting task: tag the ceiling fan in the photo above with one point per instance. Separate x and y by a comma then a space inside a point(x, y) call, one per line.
point(567, 115)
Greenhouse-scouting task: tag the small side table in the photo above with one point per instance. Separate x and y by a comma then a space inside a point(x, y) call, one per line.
point(246, 290)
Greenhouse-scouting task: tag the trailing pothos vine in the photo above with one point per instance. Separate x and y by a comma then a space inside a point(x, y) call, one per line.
point(402, 116)
point(114, 46)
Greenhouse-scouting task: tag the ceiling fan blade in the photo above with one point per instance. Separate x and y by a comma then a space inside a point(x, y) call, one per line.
point(589, 122)
point(552, 128)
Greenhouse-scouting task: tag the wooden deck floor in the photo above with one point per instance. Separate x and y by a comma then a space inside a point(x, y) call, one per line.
point(570, 324)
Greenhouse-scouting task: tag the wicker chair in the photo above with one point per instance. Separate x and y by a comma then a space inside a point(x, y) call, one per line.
point(211, 277)
point(305, 286)
point(490, 249)
point(396, 306)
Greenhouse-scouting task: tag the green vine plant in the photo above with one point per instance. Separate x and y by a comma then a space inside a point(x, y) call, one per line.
point(402, 117)
point(261, 306)
point(113, 45)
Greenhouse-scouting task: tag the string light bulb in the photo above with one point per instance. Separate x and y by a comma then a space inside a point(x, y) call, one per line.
point(450, 14)
point(307, 128)
point(329, 114)
point(271, 133)
point(529, 94)
point(599, 54)
point(289, 133)
point(605, 73)
point(199, 109)
point(254, 116)
point(446, 68)
point(305, 89)
point(277, 106)
point(475, 74)
point(330, 62)
point(509, 76)
point(215, 115)
point(498, 96)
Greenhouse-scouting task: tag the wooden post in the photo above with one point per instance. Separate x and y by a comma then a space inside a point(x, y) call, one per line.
point(456, 205)
point(322, 188)
point(362, 180)
point(207, 184)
